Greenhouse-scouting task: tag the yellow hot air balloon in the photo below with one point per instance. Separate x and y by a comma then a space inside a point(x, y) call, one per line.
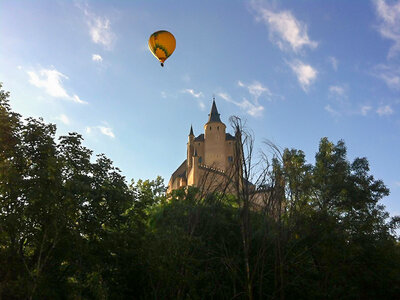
point(162, 44)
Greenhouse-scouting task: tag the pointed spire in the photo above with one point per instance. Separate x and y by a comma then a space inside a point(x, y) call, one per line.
point(214, 115)
point(191, 131)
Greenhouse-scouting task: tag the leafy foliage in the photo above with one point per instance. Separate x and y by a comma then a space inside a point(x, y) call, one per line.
point(72, 228)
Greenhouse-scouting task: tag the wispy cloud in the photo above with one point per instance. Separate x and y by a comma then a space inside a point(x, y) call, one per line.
point(365, 109)
point(51, 81)
point(284, 29)
point(105, 130)
point(63, 118)
point(337, 91)
point(251, 104)
point(389, 27)
point(348, 109)
point(256, 89)
point(384, 110)
point(334, 62)
point(390, 74)
point(197, 96)
point(252, 109)
point(332, 111)
point(193, 93)
point(97, 57)
point(76, 99)
point(99, 27)
point(306, 74)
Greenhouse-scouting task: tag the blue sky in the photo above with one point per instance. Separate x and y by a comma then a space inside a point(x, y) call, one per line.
point(297, 71)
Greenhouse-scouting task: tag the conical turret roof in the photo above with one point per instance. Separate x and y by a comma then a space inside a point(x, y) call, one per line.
point(191, 130)
point(213, 116)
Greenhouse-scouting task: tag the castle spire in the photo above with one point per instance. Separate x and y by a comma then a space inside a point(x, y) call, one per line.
point(214, 115)
point(191, 131)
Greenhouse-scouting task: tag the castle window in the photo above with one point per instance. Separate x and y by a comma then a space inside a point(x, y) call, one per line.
point(217, 127)
point(210, 127)
point(200, 159)
point(230, 158)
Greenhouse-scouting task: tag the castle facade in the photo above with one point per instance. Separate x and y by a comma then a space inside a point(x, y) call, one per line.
point(210, 157)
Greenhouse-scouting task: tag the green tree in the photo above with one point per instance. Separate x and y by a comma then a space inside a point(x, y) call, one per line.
point(69, 226)
point(72, 228)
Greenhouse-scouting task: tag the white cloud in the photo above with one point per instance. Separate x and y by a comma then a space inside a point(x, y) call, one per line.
point(389, 27)
point(284, 29)
point(97, 57)
point(256, 89)
point(193, 93)
point(51, 81)
point(102, 129)
point(306, 74)
point(365, 109)
point(76, 99)
point(251, 106)
point(106, 131)
point(100, 31)
point(19, 67)
point(332, 111)
point(334, 62)
point(99, 28)
point(63, 118)
point(252, 109)
point(337, 90)
point(391, 80)
point(225, 96)
point(389, 74)
point(197, 96)
point(397, 183)
point(384, 110)
point(163, 94)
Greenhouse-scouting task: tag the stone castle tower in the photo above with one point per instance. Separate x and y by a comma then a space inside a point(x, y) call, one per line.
point(210, 156)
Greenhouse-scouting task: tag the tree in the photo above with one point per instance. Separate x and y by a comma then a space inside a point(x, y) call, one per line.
point(281, 228)
point(67, 225)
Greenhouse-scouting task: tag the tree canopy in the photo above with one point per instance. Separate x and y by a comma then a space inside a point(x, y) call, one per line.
point(72, 227)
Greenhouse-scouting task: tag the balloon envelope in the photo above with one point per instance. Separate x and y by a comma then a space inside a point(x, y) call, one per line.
point(162, 44)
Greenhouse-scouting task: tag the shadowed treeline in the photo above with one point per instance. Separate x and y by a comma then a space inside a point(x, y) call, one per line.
point(72, 228)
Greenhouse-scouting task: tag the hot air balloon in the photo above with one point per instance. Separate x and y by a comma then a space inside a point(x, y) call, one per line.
point(162, 44)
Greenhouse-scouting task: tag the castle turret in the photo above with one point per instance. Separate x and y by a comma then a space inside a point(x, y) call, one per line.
point(214, 135)
point(190, 147)
point(191, 134)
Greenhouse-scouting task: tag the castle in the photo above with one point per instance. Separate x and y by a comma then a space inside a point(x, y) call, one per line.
point(210, 157)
